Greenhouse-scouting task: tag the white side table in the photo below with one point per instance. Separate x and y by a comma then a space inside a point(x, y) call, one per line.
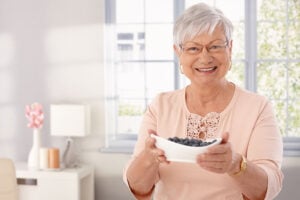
point(67, 184)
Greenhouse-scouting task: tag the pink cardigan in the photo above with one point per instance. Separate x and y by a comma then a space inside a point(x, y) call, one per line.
point(253, 130)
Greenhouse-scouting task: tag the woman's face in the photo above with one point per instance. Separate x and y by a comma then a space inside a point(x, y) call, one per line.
point(206, 58)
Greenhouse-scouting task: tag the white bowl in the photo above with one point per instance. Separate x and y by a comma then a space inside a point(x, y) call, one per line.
point(179, 152)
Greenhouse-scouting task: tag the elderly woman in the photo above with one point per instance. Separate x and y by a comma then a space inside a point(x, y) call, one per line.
point(247, 163)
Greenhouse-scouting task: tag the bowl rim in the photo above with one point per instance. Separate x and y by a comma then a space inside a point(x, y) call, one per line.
point(219, 140)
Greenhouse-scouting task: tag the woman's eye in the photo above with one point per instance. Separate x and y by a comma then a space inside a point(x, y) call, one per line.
point(193, 49)
point(214, 47)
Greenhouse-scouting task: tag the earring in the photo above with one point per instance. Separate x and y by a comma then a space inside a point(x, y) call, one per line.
point(230, 64)
point(181, 69)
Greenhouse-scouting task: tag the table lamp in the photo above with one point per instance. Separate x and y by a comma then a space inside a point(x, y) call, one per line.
point(69, 120)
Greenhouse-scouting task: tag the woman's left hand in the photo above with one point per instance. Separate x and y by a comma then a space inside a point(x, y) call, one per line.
point(220, 158)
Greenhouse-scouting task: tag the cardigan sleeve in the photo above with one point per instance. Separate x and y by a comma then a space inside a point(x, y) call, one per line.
point(266, 149)
point(148, 122)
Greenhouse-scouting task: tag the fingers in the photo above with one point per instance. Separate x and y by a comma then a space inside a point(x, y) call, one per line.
point(217, 158)
point(156, 154)
point(150, 142)
point(225, 137)
point(159, 155)
point(223, 147)
point(162, 159)
point(150, 131)
point(218, 164)
point(215, 169)
point(219, 149)
point(212, 157)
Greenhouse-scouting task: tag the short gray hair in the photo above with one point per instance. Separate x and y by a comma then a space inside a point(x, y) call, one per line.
point(198, 19)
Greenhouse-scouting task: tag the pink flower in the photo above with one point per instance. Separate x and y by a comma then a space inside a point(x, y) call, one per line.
point(34, 113)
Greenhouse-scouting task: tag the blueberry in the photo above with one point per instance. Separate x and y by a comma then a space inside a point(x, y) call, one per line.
point(190, 141)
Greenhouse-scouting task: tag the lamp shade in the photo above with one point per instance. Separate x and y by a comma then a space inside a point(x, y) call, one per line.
point(71, 120)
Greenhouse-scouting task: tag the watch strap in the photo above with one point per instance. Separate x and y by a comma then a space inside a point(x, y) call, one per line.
point(243, 166)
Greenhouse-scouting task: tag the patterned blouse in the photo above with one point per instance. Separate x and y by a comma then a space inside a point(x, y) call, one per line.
point(203, 127)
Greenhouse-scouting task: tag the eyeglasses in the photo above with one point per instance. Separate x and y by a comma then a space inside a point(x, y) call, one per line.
point(192, 48)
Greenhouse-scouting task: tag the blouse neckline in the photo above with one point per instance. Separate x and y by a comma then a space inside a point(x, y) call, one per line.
point(205, 127)
point(222, 113)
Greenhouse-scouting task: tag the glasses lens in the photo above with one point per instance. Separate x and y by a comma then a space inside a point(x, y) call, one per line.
point(195, 49)
point(217, 47)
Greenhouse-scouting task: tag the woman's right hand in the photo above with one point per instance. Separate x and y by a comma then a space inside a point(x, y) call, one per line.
point(154, 154)
point(142, 174)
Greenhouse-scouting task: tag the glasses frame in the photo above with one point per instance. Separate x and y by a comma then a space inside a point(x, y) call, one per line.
point(198, 48)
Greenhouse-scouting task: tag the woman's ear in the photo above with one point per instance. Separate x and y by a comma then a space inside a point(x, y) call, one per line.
point(230, 47)
point(176, 50)
point(230, 54)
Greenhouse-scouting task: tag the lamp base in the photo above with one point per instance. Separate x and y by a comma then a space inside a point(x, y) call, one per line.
point(69, 158)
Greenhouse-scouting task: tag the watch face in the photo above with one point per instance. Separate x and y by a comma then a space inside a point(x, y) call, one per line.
point(243, 164)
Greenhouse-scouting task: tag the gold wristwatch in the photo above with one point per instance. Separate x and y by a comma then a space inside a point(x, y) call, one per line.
point(243, 166)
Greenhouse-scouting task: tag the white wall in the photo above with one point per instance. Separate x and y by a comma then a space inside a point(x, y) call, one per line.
point(291, 181)
point(51, 52)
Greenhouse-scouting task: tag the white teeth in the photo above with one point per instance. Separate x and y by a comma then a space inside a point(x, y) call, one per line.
point(206, 69)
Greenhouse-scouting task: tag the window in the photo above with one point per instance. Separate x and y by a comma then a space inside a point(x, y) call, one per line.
point(278, 64)
point(140, 61)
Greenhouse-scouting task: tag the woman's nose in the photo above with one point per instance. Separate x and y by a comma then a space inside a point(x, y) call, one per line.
point(205, 57)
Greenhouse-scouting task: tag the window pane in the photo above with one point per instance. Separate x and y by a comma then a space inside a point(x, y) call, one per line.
point(293, 113)
point(238, 43)
point(280, 107)
point(159, 42)
point(294, 81)
point(188, 3)
point(160, 77)
point(159, 11)
point(233, 9)
point(130, 81)
point(294, 118)
point(270, 74)
point(130, 42)
point(294, 40)
point(294, 10)
point(124, 11)
point(271, 10)
point(237, 73)
point(129, 115)
point(271, 40)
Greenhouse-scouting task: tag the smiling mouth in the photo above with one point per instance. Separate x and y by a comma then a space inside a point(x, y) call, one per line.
point(210, 69)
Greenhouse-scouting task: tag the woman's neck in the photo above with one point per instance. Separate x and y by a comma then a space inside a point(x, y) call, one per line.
point(208, 93)
point(215, 98)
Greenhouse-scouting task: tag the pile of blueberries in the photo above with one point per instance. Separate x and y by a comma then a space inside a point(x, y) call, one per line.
point(191, 141)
